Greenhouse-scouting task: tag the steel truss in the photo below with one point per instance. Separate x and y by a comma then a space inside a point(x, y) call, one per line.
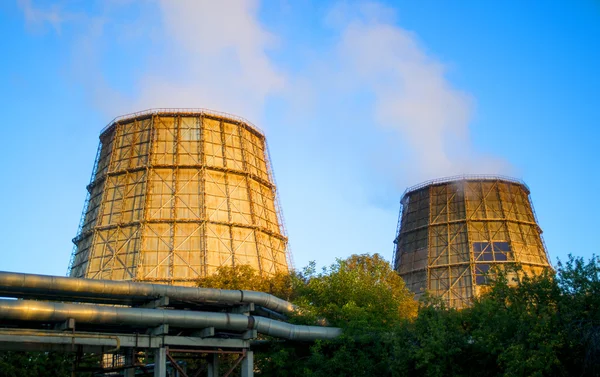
point(177, 193)
point(453, 231)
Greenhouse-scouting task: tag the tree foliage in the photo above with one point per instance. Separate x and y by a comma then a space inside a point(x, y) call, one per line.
point(545, 325)
point(247, 278)
point(361, 293)
point(35, 364)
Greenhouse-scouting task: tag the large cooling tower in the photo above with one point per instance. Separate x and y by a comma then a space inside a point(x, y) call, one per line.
point(174, 195)
point(452, 230)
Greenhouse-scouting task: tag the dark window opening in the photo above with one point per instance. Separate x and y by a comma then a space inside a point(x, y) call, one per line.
point(491, 251)
point(479, 246)
point(501, 256)
point(480, 273)
point(501, 246)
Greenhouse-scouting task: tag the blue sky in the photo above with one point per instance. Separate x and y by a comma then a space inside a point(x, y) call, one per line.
point(359, 100)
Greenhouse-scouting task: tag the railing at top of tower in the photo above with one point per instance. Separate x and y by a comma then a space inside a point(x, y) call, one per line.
point(181, 111)
point(464, 177)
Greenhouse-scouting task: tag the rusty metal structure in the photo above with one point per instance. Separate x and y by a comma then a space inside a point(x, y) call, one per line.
point(174, 195)
point(451, 231)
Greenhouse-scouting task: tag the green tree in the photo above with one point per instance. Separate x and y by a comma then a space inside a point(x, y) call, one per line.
point(363, 296)
point(436, 343)
point(515, 328)
point(247, 278)
point(538, 325)
point(578, 312)
point(35, 364)
point(361, 293)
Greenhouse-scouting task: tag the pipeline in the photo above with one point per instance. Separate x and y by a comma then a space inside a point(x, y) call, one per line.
point(13, 284)
point(66, 335)
point(42, 311)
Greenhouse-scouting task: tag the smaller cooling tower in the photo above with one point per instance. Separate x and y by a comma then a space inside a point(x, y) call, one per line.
point(174, 195)
point(452, 230)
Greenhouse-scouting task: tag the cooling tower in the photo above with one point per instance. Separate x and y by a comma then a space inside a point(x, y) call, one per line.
point(451, 231)
point(175, 194)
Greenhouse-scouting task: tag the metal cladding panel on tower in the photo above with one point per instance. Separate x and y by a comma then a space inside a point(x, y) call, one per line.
point(454, 230)
point(174, 196)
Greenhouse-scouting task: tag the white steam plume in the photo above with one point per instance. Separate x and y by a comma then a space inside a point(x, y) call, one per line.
point(412, 95)
point(191, 53)
point(215, 57)
point(213, 54)
point(37, 17)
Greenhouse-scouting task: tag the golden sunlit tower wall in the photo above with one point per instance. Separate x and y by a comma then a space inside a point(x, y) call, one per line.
point(451, 231)
point(175, 194)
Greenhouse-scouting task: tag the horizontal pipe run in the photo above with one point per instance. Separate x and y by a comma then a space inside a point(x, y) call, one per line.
point(13, 284)
point(43, 311)
point(294, 332)
point(97, 342)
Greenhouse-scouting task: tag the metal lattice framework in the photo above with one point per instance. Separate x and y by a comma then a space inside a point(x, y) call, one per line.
point(177, 193)
point(451, 231)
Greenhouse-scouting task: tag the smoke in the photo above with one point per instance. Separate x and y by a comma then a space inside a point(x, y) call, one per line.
point(37, 17)
point(194, 54)
point(355, 106)
point(412, 96)
point(215, 54)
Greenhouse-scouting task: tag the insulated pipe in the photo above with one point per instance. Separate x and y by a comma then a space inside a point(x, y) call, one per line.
point(44, 311)
point(294, 332)
point(13, 284)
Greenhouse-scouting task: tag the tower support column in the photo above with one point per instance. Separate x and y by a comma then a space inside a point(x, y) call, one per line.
point(248, 364)
point(213, 365)
point(160, 362)
point(129, 361)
